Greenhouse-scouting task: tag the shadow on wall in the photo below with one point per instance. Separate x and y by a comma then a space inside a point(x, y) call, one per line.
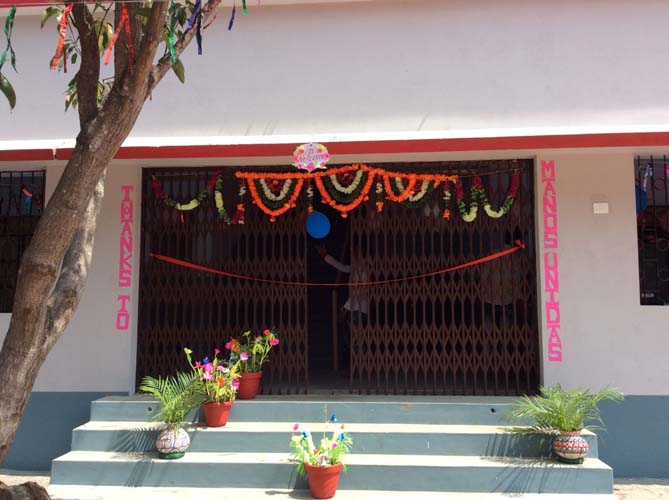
point(46, 428)
point(636, 436)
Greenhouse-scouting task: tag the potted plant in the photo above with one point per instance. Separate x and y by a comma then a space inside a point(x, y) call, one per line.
point(217, 381)
point(252, 354)
point(564, 414)
point(178, 396)
point(323, 464)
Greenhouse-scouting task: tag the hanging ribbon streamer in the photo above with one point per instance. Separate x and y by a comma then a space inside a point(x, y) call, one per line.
point(62, 29)
point(9, 25)
point(28, 197)
point(195, 21)
point(518, 246)
point(244, 10)
point(125, 22)
point(170, 38)
point(232, 16)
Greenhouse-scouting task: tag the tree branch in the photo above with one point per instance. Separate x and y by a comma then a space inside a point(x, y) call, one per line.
point(161, 68)
point(89, 71)
point(65, 296)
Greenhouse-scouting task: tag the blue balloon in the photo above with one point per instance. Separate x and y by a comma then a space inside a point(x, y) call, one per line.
point(318, 225)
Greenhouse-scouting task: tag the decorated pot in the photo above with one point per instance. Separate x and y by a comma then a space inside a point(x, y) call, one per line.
point(172, 443)
point(248, 385)
point(571, 447)
point(216, 414)
point(323, 481)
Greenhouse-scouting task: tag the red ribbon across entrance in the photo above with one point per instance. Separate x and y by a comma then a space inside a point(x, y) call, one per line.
point(518, 245)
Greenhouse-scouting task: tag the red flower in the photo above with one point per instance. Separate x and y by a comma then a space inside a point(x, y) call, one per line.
point(267, 332)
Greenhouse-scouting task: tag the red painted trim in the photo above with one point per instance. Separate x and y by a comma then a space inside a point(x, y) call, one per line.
point(26, 155)
point(637, 139)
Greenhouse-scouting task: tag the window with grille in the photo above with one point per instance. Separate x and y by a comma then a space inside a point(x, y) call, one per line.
point(652, 215)
point(21, 203)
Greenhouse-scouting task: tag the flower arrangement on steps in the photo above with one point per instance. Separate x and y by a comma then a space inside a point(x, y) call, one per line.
point(178, 396)
point(321, 465)
point(217, 382)
point(251, 354)
point(564, 414)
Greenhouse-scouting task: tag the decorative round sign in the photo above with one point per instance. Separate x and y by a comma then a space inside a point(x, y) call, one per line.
point(318, 225)
point(310, 157)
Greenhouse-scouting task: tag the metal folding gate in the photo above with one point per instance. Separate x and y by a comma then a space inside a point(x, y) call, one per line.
point(179, 307)
point(473, 331)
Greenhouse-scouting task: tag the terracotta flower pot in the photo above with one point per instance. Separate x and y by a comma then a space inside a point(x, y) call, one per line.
point(571, 447)
point(323, 481)
point(216, 414)
point(248, 385)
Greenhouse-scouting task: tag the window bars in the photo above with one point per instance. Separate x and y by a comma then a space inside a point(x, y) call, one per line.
point(21, 203)
point(652, 215)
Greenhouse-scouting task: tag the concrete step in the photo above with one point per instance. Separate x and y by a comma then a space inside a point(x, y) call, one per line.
point(273, 437)
point(369, 409)
point(365, 472)
point(58, 492)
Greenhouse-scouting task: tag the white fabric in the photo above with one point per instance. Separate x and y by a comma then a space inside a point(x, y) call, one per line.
point(359, 301)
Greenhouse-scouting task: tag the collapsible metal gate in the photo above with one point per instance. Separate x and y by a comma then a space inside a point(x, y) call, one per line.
point(179, 307)
point(472, 331)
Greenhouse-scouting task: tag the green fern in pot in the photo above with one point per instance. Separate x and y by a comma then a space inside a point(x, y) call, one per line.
point(178, 396)
point(564, 414)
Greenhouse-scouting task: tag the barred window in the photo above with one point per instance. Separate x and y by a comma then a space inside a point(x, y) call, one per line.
point(652, 211)
point(21, 203)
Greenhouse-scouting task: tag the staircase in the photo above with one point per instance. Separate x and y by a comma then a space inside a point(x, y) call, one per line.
point(427, 446)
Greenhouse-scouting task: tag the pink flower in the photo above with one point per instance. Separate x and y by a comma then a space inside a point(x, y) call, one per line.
point(274, 342)
point(220, 368)
point(228, 345)
point(217, 351)
point(198, 364)
point(296, 426)
point(207, 376)
point(235, 383)
point(209, 368)
point(334, 445)
point(243, 356)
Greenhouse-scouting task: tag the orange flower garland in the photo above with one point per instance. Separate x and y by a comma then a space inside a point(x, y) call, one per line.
point(345, 209)
point(408, 191)
point(273, 214)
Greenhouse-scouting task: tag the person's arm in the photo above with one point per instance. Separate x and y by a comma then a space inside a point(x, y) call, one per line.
point(342, 268)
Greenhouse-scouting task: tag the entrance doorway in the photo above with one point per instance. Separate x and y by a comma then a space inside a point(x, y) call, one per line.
point(473, 331)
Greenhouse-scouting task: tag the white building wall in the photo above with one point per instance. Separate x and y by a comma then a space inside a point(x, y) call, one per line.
point(427, 65)
point(608, 337)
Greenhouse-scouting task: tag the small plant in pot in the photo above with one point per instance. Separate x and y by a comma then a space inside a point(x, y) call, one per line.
point(178, 396)
point(217, 381)
point(323, 464)
point(564, 414)
point(252, 353)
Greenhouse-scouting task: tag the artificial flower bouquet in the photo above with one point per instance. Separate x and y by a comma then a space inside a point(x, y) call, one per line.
point(218, 381)
point(251, 353)
point(321, 464)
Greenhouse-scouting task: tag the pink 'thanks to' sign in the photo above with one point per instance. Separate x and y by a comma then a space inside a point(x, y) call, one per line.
point(125, 258)
point(551, 274)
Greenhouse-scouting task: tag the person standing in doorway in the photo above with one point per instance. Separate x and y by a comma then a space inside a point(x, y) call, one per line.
point(354, 311)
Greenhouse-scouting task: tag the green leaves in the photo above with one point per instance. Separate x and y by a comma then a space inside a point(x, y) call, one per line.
point(177, 395)
point(557, 409)
point(48, 13)
point(179, 70)
point(7, 89)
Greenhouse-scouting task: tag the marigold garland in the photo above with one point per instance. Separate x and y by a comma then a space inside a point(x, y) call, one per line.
point(273, 214)
point(344, 209)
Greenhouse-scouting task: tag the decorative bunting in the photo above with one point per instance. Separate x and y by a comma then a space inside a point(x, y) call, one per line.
point(62, 30)
point(170, 37)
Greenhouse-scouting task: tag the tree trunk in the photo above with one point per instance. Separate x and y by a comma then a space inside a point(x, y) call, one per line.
point(54, 267)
